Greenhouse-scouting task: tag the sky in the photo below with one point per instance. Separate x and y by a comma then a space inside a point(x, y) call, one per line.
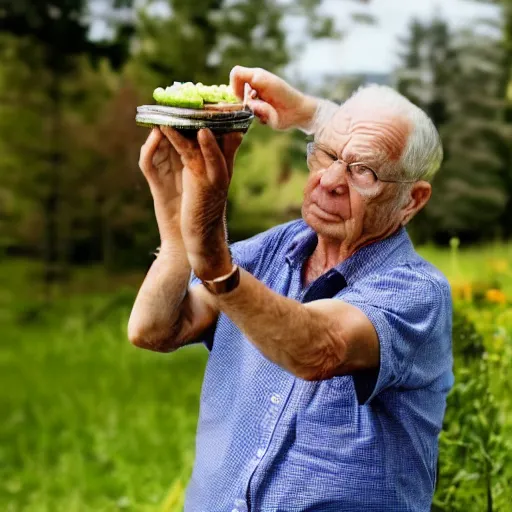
point(374, 49)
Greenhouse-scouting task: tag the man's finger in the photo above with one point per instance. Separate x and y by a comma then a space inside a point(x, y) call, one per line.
point(162, 152)
point(230, 144)
point(148, 149)
point(176, 162)
point(187, 149)
point(265, 112)
point(214, 160)
point(160, 156)
point(257, 78)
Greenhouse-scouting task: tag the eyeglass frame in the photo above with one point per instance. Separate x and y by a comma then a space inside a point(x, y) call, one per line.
point(335, 159)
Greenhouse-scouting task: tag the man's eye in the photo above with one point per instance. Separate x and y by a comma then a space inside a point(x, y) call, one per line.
point(363, 175)
point(361, 170)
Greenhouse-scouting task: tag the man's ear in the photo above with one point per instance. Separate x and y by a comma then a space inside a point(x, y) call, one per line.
point(418, 197)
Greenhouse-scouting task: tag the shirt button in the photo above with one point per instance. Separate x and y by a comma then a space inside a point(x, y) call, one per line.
point(260, 453)
point(240, 506)
point(275, 399)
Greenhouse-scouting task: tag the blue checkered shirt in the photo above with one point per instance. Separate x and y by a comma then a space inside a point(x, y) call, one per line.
point(271, 442)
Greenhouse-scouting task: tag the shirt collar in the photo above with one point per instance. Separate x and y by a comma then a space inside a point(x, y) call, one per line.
point(302, 246)
point(362, 262)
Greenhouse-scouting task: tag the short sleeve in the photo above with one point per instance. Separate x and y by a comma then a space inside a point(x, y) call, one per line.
point(411, 313)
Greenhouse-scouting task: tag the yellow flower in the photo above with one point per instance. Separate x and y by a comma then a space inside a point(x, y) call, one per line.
point(495, 296)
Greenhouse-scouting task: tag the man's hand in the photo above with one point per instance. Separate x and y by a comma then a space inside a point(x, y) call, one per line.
point(162, 168)
point(207, 173)
point(277, 103)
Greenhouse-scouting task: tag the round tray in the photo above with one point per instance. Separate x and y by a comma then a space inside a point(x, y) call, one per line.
point(189, 121)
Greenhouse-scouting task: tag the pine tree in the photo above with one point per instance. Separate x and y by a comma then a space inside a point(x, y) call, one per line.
point(455, 78)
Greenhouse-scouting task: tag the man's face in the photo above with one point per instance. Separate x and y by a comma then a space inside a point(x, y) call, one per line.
point(334, 206)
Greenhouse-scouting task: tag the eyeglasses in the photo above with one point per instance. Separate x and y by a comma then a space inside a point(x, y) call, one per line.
point(359, 174)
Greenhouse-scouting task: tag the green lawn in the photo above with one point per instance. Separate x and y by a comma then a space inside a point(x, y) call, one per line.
point(90, 423)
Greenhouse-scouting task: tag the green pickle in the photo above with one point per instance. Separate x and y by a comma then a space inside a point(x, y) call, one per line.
point(189, 95)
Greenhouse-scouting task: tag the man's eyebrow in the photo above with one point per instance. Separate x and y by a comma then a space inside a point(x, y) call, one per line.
point(325, 148)
point(329, 150)
point(352, 157)
point(349, 157)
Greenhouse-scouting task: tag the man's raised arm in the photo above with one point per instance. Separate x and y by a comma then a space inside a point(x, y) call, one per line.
point(166, 315)
point(278, 104)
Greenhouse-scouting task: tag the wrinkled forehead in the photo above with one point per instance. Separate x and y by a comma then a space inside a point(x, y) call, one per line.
point(367, 131)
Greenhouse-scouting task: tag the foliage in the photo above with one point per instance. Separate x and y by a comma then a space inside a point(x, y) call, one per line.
point(475, 454)
point(96, 179)
point(475, 451)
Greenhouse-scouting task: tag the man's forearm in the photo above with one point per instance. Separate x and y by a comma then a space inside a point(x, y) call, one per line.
point(155, 317)
point(298, 338)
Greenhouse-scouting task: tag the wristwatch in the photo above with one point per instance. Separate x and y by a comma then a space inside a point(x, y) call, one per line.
point(223, 284)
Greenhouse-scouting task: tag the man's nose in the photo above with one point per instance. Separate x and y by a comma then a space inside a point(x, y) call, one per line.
point(335, 177)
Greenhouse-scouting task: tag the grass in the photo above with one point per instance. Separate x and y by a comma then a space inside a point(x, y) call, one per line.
point(90, 423)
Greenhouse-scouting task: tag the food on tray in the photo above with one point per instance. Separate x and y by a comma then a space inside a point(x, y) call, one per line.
point(189, 107)
point(189, 95)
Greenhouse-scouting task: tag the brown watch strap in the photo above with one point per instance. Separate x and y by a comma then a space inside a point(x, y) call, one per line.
point(224, 284)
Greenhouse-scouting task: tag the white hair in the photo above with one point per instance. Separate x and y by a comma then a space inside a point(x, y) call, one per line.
point(423, 153)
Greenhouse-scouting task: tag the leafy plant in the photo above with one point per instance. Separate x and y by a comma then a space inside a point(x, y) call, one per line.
point(474, 453)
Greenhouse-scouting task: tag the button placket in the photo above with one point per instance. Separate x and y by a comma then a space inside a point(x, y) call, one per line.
point(268, 426)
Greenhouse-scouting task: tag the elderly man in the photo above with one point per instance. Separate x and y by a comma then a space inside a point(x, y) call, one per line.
point(329, 337)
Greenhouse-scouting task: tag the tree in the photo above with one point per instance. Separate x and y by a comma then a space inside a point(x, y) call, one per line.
point(504, 25)
point(455, 78)
point(112, 207)
point(41, 44)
